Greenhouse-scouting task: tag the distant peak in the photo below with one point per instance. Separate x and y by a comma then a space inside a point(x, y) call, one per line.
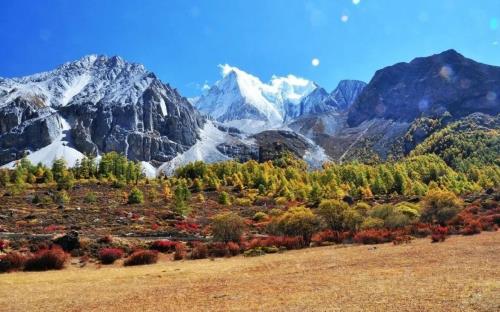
point(450, 52)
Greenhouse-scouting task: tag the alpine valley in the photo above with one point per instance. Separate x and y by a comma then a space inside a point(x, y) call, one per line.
point(100, 104)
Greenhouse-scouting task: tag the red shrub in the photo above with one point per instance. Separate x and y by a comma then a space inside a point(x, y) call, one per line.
point(218, 249)
point(46, 259)
point(288, 242)
point(472, 227)
point(373, 236)
point(141, 257)
point(12, 261)
point(421, 230)
point(53, 228)
point(200, 251)
point(233, 248)
point(330, 236)
point(163, 246)
point(402, 239)
point(180, 251)
point(439, 234)
point(3, 244)
point(110, 255)
point(186, 226)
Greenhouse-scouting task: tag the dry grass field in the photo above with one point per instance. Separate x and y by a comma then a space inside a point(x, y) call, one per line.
point(461, 274)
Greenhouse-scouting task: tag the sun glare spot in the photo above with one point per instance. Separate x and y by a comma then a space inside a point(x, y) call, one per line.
point(315, 62)
point(491, 96)
point(446, 72)
point(493, 24)
point(356, 2)
point(344, 18)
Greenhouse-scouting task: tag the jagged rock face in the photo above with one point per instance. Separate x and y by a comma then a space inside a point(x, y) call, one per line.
point(274, 143)
point(266, 145)
point(347, 92)
point(319, 102)
point(429, 86)
point(110, 105)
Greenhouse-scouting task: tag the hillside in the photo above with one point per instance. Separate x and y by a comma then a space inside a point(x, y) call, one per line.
point(458, 275)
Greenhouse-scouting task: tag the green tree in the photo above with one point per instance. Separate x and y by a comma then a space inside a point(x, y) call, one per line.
point(227, 227)
point(135, 196)
point(440, 206)
point(298, 221)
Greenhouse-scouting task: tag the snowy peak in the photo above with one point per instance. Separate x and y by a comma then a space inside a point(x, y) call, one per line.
point(90, 79)
point(240, 96)
point(109, 105)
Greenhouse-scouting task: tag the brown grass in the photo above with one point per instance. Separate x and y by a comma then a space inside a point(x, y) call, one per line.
point(461, 274)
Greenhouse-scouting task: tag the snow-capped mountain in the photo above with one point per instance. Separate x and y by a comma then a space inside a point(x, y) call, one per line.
point(94, 105)
point(244, 101)
point(320, 101)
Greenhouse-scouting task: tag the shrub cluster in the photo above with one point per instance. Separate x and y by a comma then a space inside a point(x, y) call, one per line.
point(439, 234)
point(13, 261)
point(46, 259)
point(288, 242)
point(110, 255)
point(141, 257)
point(373, 236)
point(180, 251)
point(163, 246)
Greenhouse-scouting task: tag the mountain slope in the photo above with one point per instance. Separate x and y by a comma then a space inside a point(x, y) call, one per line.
point(473, 140)
point(108, 105)
point(429, 86)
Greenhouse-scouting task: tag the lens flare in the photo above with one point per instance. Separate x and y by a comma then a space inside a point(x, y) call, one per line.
point(493, 24)
point(315, 62)
point(491, 96)
point(344, 18)
point(446, 72)
point(356, 2)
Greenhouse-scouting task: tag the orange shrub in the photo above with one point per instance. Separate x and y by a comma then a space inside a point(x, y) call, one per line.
point(373, 236)
point(180, 251)
point(472, 227)
point(200, 251)
point(439, 234)
point(233, 248)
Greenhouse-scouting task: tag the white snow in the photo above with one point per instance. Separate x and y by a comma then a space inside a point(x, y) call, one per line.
point(75, 87)
point(238, 92)
point(204, 149)
point(315, 156)
point(148, 169)
point(56, 150)
point(163, 107)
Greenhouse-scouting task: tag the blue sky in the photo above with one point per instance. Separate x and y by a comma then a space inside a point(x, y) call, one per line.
point(183, 41)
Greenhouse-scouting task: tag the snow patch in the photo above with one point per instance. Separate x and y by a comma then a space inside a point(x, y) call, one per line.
point(148, 169)
point(204, 149)
point(75, 87)
point(55, 150)
point(163, 107)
